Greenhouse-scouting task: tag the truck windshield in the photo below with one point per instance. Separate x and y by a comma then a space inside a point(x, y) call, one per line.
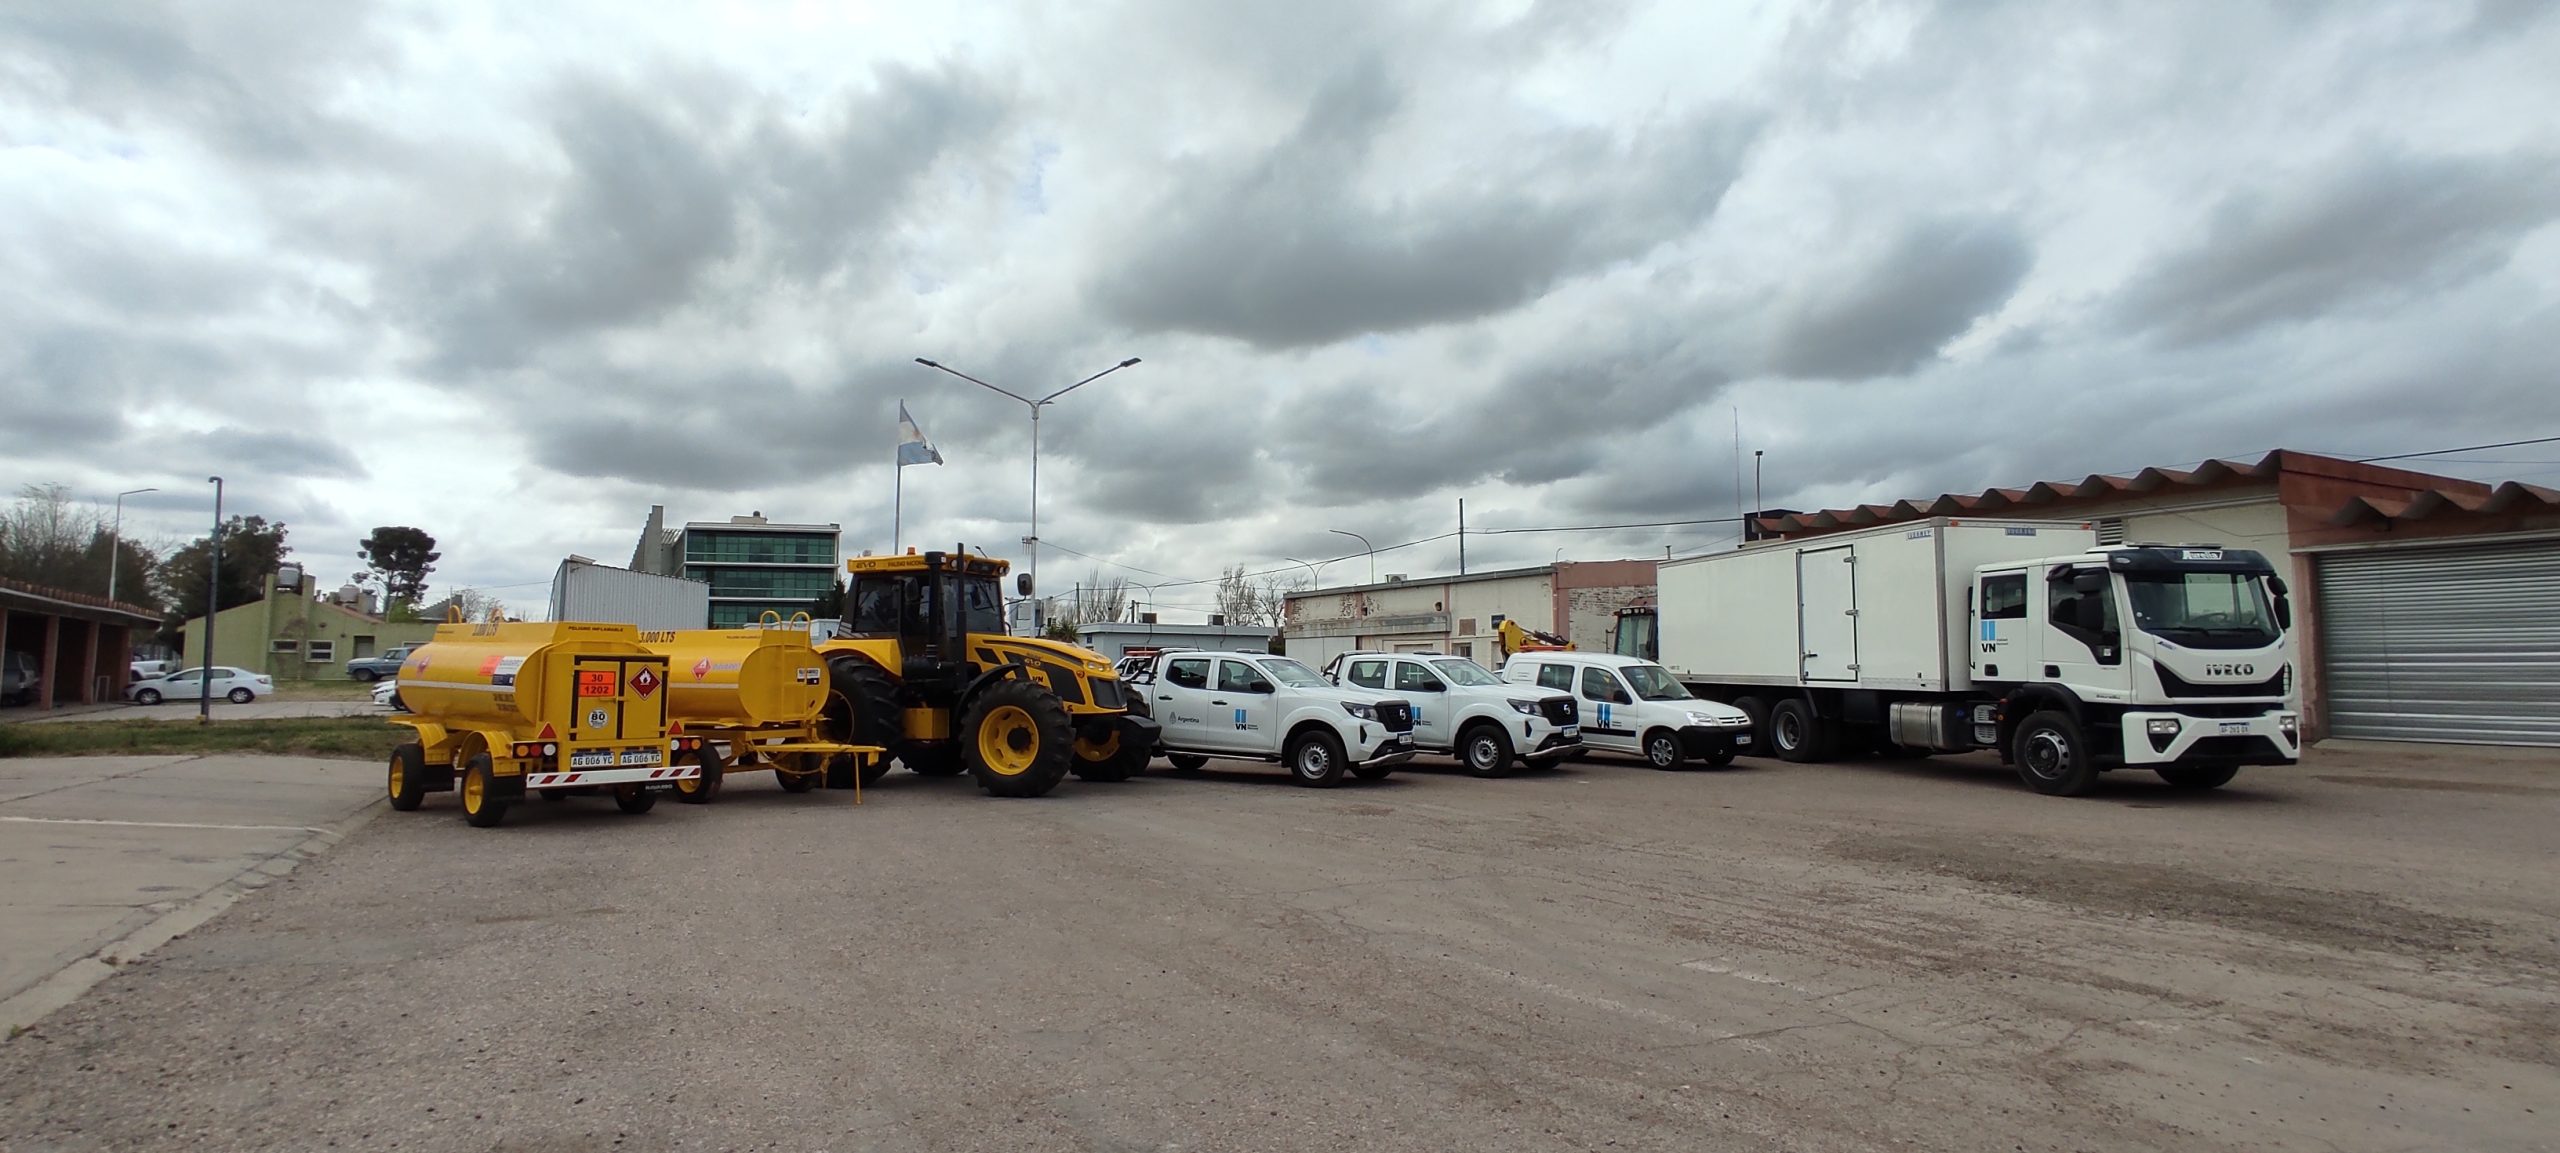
point(1292, 674)
point(1654, 683)
point(2202, 609)
point(1462, 671)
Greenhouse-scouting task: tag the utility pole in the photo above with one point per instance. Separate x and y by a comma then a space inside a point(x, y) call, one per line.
point(212, 608)
point(1462, 536)
point(1751, 527)
point(115, 539)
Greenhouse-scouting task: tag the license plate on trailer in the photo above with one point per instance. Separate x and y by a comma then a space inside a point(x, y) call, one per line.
point(1570, 730)
point(2241, 727)
point(591, 759)
point(640, 757)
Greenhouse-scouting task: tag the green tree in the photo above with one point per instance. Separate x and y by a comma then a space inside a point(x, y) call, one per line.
point(251, 550)
point(403, 557)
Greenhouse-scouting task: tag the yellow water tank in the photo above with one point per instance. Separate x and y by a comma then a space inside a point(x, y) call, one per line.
point(748, 676)
point(507, 675)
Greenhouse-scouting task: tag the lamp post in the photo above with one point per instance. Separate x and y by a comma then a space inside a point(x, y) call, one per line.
point(1035, 405)
point(1315, 570)
point(115, 538)
point(212, 608)
point(1364, 544)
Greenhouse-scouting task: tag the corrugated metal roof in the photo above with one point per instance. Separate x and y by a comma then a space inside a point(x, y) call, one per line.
point(2446, 502)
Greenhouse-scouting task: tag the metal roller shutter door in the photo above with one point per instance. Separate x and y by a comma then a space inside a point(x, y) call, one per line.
point(2443, 644)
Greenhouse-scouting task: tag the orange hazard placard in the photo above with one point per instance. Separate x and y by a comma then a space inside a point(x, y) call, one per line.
point(597, 684)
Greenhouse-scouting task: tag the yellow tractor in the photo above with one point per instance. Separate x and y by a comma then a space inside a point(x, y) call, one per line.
point(921, 664)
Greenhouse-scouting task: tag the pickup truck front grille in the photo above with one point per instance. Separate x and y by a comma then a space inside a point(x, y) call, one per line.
point(1559, 710)
point(1397, 716)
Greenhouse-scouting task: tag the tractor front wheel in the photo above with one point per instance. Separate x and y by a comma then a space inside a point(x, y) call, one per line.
point(1016, 739)
point(1109, 759)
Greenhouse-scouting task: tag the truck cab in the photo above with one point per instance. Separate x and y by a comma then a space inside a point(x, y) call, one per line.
point(2171, 657)
point(1462, 710)
point(1635, 706)
point(1264, 707)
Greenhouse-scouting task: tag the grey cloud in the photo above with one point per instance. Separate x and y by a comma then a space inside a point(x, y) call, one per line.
point(263, 452)
point(825, 195)
point(1277, 251)
point(1891, 313)
point(2380, 227)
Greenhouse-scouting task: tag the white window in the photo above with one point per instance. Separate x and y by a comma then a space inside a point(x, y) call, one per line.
point(284, 648)
point(322, 652)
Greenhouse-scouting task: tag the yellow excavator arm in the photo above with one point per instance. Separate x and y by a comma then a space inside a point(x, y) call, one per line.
point(1516, 639)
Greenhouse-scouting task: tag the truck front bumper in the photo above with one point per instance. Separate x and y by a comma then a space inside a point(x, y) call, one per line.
point(1558, 743)
point(2269, 738)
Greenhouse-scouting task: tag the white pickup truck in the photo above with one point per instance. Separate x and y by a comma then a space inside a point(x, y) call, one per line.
point(1462, 710)
point(1271, 708)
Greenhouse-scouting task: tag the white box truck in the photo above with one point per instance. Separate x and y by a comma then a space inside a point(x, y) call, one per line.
point(2022, 637)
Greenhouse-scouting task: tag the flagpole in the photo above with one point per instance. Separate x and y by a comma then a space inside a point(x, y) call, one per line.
point(898, 490)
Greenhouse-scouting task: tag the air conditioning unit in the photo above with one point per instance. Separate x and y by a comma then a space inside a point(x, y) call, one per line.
point(1217, 618)
point(1395, 578)
point(1146, 618)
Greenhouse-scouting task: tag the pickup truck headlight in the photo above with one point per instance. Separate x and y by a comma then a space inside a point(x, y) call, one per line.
point(1364, 712)
point(1525, 708)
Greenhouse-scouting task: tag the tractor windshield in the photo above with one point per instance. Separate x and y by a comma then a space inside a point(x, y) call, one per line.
point(981, 605)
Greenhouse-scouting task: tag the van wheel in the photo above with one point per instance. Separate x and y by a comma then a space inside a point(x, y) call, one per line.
point(2197, 777)
point(2053, 756)
point(1316, 759)
point(1796, 734)
point(1662, 749)
point(1486, 751)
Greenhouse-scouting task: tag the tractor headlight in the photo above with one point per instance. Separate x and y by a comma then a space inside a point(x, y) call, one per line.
point(1364, 712)
point(1525, 708)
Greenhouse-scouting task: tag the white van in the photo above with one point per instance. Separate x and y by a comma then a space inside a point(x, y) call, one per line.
point(1632, 705)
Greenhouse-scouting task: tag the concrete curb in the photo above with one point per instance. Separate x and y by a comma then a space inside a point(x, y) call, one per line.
point(69, 982)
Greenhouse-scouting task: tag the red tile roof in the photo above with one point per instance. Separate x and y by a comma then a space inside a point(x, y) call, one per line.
point(2442, 501)
point(69, 599)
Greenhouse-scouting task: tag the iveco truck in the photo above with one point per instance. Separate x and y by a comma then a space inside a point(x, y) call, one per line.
point(2026, 638)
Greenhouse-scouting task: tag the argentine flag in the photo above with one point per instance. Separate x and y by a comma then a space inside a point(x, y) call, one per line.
point(913, 448)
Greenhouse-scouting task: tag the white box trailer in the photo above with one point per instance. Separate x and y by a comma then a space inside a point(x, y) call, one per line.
point(585, 591)
point(2022, 637)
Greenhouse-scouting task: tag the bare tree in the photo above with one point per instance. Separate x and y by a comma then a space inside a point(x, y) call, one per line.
point(1247, 600)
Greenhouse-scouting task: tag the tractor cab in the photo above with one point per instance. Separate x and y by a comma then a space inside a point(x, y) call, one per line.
point(929, 604)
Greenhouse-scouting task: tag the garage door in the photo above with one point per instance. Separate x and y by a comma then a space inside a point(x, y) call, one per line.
point(2453, 644)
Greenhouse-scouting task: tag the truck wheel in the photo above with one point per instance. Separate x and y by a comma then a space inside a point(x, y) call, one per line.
point(700, 790)
point(1186, 762)
point(1662, 749)
point(634, 798)
point(408, 777)
point(2053, 756)
point(2197, 777)
point(1486, 751)
point(1758, 710)
point(366, 676)
point(480, 810)
point(1108, 760)
point(1016, 739)
point(1316, 759)
point(1797, 735)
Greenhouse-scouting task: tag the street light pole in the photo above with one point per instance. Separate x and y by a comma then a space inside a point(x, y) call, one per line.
point(1315, 570)
point(115, 538)
point(1035, 405)
point(1364, 544)
point(212, 607)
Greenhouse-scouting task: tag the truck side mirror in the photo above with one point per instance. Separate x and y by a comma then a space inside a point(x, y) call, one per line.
point(2088, 582)
point(2284, 611)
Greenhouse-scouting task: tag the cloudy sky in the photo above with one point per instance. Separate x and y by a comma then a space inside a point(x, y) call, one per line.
point(515, 274)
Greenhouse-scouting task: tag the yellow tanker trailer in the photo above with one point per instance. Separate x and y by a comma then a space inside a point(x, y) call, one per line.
point(760, 692)
point(507, 710)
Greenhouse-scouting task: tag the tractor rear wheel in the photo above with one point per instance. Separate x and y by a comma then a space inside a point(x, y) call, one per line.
point(1016, 739)
point(862, 709)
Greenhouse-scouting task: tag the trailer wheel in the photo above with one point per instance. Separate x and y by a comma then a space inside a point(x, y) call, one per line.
point(1486, 750)
point(408, 777)
point(2197, 777)
point(480, 809)
point(634, 798)
point(2053, 755)
point(1796, 734)
point(800, 773)
point(700, 790)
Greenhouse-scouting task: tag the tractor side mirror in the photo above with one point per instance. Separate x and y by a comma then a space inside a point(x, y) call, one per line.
point(1022, 584)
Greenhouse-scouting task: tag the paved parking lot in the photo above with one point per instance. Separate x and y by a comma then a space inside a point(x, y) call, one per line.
point(2358, 954)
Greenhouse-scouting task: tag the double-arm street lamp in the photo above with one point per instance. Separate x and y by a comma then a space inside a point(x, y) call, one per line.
point(1035, 405)
point(115, 538)
point(1365, 545)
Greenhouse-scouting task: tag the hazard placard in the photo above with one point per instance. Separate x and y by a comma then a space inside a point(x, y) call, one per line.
point(644, 682)
point(595, 683)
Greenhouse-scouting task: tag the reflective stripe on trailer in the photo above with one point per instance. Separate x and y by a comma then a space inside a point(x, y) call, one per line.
point(611, 776)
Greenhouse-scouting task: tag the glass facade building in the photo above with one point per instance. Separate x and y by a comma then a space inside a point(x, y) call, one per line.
point(755, 566)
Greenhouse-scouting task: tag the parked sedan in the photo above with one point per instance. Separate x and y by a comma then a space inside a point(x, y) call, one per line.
point(387, 694)
point(239, 686)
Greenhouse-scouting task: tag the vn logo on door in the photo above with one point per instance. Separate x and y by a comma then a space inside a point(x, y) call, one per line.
point(1243, 725)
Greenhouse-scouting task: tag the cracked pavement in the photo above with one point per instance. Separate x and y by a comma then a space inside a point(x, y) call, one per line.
point(2358, 955)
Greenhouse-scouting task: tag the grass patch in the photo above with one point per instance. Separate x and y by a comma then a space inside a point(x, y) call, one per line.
point(322, 691)
point(357, 738)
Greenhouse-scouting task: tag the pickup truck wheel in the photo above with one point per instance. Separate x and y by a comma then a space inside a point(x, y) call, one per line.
point(2053, 755)
point(479, 809)
point(2197, 777)
point(1316, 759)
point(699, 790)
point(408, 777)
point(1186, 762)
point(366, 676)
point(1662, 749)
point(1486, 751)
point(1796, 734)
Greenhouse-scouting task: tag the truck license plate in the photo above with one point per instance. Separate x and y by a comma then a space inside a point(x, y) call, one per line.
point(591, 758)
point(1570, 731)
point(640, 757)
point(2241, 727)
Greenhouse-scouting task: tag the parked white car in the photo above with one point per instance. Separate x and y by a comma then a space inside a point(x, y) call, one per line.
point(1462, 710)
point(238, 686)
point(1272, 708)
point(387, 694)
point(1632, 705)
point(147, 669)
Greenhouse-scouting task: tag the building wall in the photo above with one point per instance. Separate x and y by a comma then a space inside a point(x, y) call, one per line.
point(292, 637)
point(1451, 615)
point(1114, 640)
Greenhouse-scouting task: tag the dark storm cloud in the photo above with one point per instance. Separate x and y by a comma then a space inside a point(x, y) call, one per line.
point(2382, 226)
point(1894, 311)
point(1280, 251)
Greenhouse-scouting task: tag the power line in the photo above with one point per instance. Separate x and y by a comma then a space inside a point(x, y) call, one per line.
point(2465, 448)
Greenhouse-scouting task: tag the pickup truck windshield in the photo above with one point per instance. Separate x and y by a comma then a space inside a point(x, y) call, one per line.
point(1654, 683)
point(1292, 674)
point(2202, 609)
point(1462, 671)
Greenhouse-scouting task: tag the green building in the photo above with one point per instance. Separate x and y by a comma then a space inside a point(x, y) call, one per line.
point(297, 635)
point(753, 565)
